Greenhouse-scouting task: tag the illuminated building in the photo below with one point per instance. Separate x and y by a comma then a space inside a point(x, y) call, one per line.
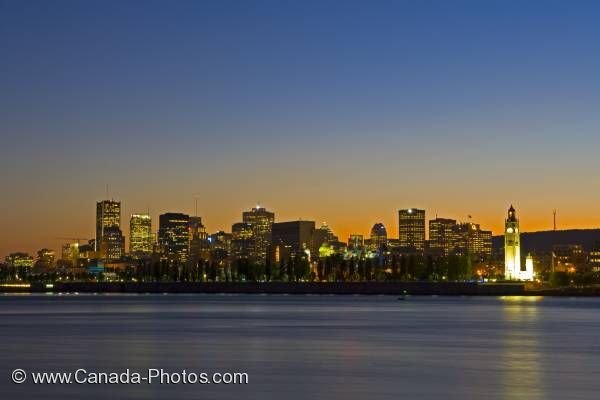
point(113, 243)
point(292, 239)
point(486, 244)
point(19, 260)
point(567, 257)
point(108, 213)
point(442, 236)
point(198, 240)
point(220, 241)
point(45, 260)
point(46, 256)
point(326, 250)
point(76, 257)
point(378, 237)
point(70, 252)
point(356, 242)
point(393, 243)
point(594, 259)
point(110, 242)
point(323, 236)
point(220, 247)
point(411, 227)
point(87, 251)
point(20, 264)
point(261, 221)
point(512, 250)
point(471, 239)
point(529, 263)
point(446, 237)
point(141, 239)
point(174, 236)
point(242, 240)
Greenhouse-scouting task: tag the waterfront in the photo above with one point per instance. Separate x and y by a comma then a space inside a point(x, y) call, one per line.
point(296, 347)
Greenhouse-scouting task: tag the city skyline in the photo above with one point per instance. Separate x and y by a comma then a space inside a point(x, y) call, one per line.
point(320, 111)
point(392, 227)
point(290, 199)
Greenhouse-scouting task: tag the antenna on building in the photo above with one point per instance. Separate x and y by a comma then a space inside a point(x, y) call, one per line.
point(554, 213)
point(107, 191)
point(195, 205)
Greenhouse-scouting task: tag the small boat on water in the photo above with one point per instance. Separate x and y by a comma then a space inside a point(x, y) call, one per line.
point(403, 296)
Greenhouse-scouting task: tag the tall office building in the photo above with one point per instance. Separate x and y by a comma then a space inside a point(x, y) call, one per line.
point(411, 223)
point(108, 214)
point(174, 236)
point(442, 236)
point(113, 244)
point(486, 243)
point(110, 242)
point(262, 222)
point(198, 240)
point(471, 239)
point(141, 239)
point(242, 240)
point(293, 239)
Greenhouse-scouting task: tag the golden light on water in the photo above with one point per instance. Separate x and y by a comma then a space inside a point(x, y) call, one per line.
point(522, 299)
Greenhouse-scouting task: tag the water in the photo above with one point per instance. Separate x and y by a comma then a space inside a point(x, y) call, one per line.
point(298, 347)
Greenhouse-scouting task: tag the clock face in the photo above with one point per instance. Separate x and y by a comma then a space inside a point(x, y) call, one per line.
point(509, 230)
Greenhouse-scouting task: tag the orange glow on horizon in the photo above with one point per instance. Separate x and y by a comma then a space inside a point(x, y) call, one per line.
point(39, 228)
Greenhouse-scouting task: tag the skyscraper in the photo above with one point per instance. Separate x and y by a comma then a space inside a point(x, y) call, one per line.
point(198, 240)
point(242, 240)
point(174, 236)
point(140, 235)
point(110, 242)
point(411, 224)
point(108, 213)
point(442, 236)
point(262, 222)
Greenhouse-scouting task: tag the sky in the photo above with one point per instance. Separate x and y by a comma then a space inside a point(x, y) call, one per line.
point(337, 111)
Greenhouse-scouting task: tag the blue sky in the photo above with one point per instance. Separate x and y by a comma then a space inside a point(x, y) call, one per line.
point(342, 111)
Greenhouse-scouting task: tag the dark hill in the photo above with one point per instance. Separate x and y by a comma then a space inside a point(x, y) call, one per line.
point(542, 241)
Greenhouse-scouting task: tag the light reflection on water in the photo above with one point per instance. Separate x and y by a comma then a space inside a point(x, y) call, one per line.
point(296, 347)
point(520, 355)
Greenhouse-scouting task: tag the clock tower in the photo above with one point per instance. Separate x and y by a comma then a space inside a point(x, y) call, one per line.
point(512, 246)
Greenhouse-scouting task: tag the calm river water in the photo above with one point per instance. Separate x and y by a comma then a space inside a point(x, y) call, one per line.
point(305, 347)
